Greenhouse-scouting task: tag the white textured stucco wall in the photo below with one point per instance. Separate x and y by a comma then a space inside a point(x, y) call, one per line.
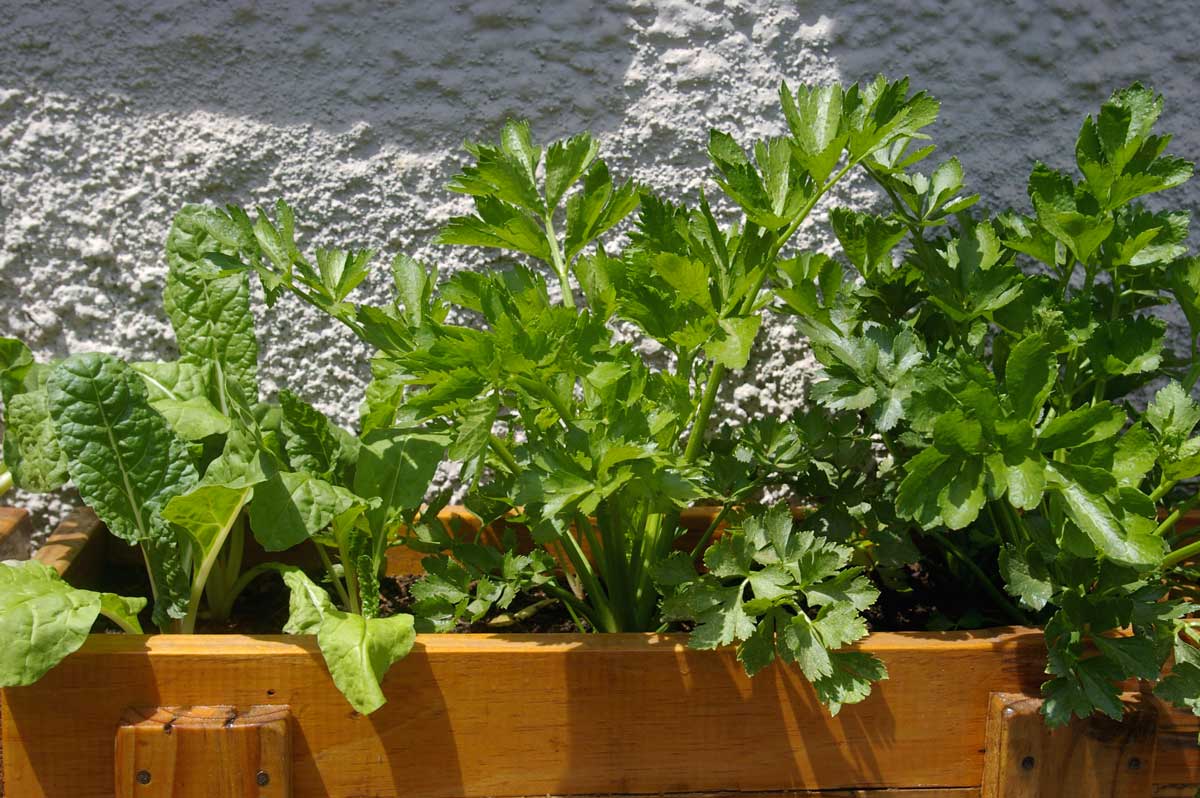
point(114, 114)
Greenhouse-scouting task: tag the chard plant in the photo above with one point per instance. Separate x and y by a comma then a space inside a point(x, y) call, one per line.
point(563, 424)
point(1003, 365)
point(183, 460)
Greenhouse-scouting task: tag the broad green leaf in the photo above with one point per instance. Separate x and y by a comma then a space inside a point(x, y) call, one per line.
point(758, 650)
point(1095, 516)
point(1080, 427)
point(597, 208)
point(125, 461)
point(31, 448)
point(814, 116)
point(498, 225)
point(192, 419)
point(43, 619)
point(867, 240)
point(358, 651)
point(1173, 413)
point(210, 311)
point(290, 507)
point(396, 467)
point(342, 270)
point(313, 442)
point(1026, 480)
point(507, 172)
point(1029, 376)
point(1066, 214)
point(799, 643)
point(207, 514)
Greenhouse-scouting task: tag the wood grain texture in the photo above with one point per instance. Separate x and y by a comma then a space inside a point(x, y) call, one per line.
point(16, 532)
point(204, 752)
point(510, 715)
point(1096, 757)
point(494, 715)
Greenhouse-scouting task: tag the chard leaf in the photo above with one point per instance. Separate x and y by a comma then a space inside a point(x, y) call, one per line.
point(43, 619)
point(209, 309)
point(192, 419)
point(395, 467)
point(290, 507)
point(207, 513)
point(31, 450)
point(358, 651)
point(314, 443)
point(125, 461)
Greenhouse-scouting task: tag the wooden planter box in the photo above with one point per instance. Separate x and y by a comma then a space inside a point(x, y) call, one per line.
point(471, 716)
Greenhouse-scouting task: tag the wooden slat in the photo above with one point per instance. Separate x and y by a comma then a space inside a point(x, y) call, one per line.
point(76, 548)
point(492, 715)
point(204, 752)
point(1097, 757)
point(16, 532)
point(886, 792)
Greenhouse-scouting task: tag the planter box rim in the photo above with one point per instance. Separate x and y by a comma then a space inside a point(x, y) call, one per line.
point(500, 643)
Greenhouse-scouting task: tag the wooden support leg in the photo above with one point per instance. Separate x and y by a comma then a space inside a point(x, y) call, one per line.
point(204, 752)
point(1093, 758)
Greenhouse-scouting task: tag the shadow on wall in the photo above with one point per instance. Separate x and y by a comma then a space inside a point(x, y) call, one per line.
point(1016, 79)
point(416, 71)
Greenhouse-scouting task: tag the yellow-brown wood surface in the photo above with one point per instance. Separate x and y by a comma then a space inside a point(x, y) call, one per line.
point(15, 532)
point(204, 752)
point(555, 714)
point(1095, 757)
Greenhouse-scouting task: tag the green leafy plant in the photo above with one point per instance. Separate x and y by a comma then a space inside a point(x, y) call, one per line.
point(998, 361)
point(182, 459)
point(555, 419)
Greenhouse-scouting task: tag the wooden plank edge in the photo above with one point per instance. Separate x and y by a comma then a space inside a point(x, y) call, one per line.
point(16, 533)
point(1017, 640)
point(76, 547)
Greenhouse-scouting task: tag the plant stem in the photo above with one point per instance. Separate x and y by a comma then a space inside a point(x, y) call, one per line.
point(129, 628)
point(560, 265)
point(333, 577)
point(1172, 519)
point(6, 480)
point(1179, 555)
point(546, 392)
point(505, 454)
point(708, 533)
point(1163, 489)
point(1014, 614)
point(717, 375)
